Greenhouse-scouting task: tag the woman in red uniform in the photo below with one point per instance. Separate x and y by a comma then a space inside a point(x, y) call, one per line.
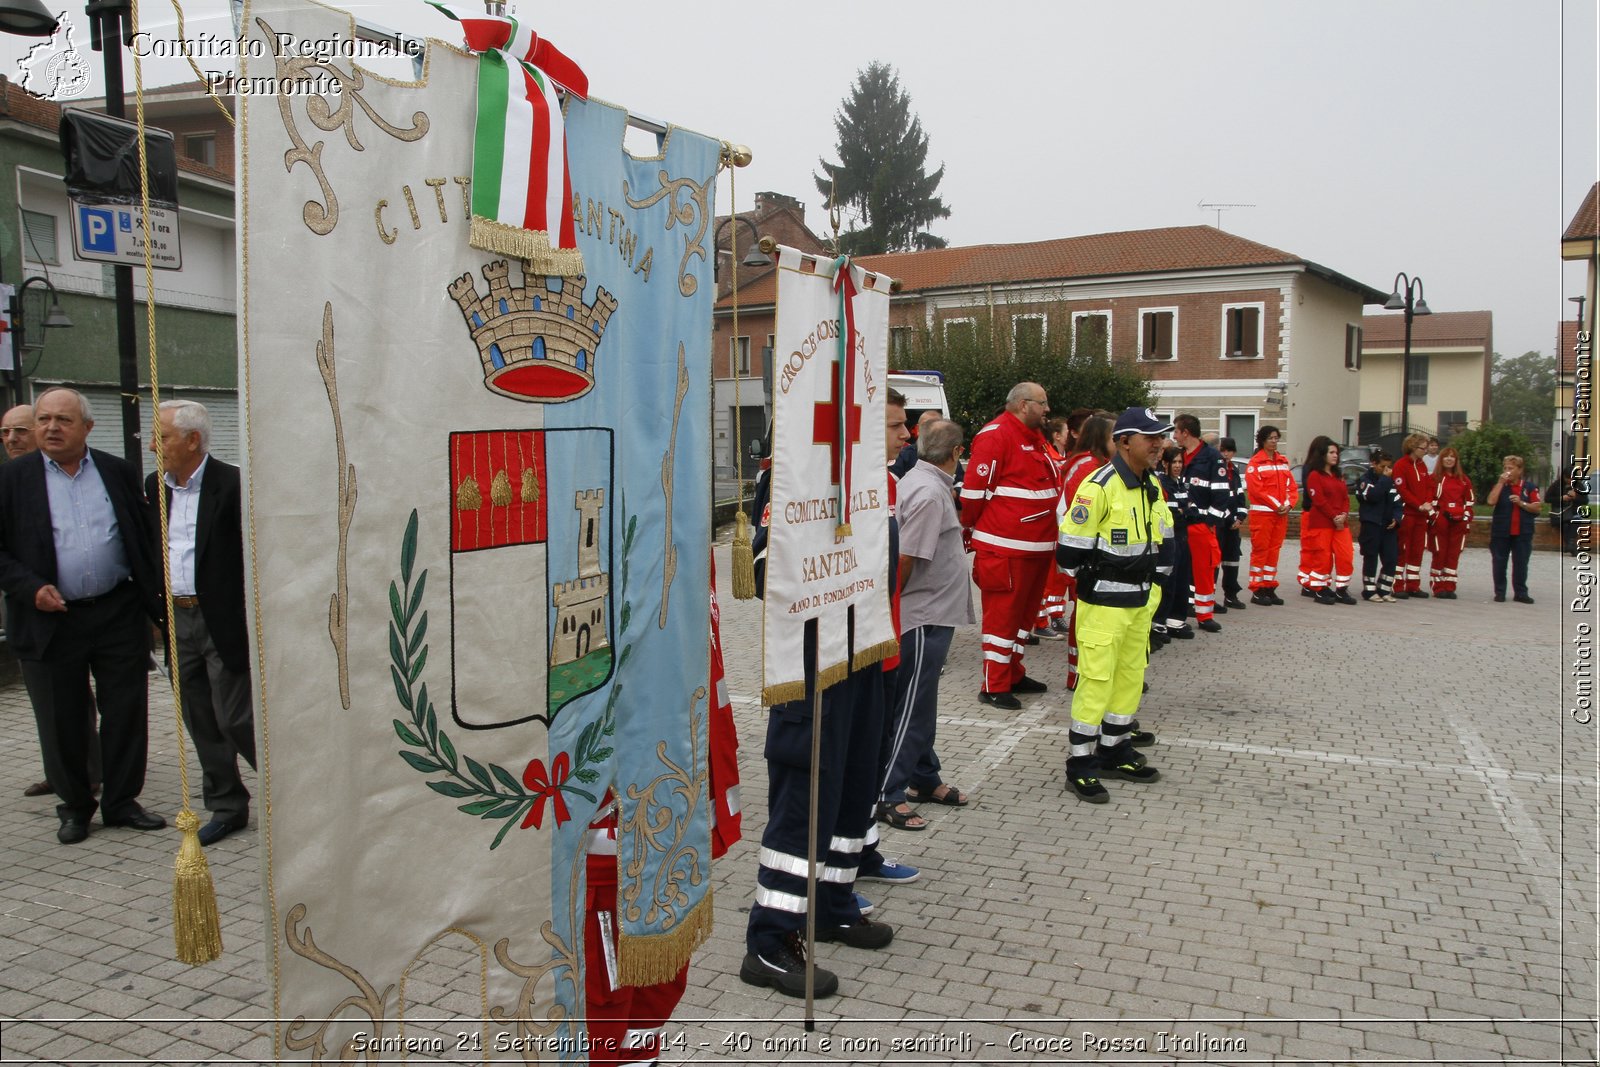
point(1326, 552)
point(1094, 444)
point(1269, 486)
point(1417, 490)
point(1451, 520)
point(1050, 625)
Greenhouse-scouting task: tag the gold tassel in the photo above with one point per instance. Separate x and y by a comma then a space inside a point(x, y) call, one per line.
point(866, 657)
point(500, 490)
point(195, 927)
point(744, 559)
point(467, 496)
point(651, 960)
point(783, 693)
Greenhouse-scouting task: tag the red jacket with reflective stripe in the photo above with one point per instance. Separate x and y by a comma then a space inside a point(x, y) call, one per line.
point(1008, 497)
point(1414, 484)
point(1268, 481)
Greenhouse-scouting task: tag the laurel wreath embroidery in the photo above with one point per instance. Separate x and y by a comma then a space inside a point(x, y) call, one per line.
point(492, 793)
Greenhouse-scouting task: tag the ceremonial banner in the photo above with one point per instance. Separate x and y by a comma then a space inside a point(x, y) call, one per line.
point(478, 510)
point(828, 518)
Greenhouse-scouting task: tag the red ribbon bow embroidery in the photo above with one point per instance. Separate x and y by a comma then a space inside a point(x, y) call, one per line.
point(547, 786)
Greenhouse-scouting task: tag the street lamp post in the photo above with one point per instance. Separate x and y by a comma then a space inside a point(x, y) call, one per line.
point(55, 318)
point(753, 258)
point(1413, 304)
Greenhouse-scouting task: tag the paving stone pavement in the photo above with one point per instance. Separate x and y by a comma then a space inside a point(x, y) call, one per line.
point(1374, 840)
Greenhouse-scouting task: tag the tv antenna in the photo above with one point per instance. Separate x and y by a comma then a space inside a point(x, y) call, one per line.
point(1219, 209)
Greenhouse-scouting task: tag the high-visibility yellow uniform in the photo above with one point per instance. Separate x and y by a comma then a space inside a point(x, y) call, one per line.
point(1112, 538)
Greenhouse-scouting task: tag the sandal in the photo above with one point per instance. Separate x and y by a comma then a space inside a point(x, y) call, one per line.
point(901, 820)
point(951, 796)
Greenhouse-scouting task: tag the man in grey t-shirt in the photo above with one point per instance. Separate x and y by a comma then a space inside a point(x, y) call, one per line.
point(935, 598)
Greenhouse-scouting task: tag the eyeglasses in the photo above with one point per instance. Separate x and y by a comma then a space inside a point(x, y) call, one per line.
point(1031, 400)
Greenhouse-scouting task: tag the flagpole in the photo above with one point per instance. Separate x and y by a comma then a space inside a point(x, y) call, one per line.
point(811, 833)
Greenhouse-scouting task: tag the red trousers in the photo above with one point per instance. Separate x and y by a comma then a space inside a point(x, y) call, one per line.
point(1413, 541)
point(624, 1024)
point(1011, 587)
point(1267, 530)
point(1328, 557)
point(1054, 603)
point(1446, 539)
point(1205, 556)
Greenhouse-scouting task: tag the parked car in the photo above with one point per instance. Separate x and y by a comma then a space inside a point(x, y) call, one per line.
point(1352, 473)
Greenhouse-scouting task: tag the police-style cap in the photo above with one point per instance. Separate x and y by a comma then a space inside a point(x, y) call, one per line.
point(1140, 420)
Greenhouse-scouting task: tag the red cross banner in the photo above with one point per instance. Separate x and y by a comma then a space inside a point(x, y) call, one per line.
point(828, 523)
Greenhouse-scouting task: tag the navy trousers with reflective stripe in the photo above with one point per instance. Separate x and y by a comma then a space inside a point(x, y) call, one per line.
point(847, 784)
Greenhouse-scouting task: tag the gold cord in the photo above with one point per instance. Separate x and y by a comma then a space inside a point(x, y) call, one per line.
point(744, 567)
point(196, 927)
point(198, 73)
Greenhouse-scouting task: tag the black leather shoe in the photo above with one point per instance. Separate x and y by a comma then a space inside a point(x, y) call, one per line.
point(1000, 700)
point(1325, 596)
point(1181, 633)
point(1306, 590)
point(784, 969)
point(1210, 626)
point(1499, 598)
point(1523, 598)
point(73, 830)
point(1219, 608)
point(1448, 594)
point(1233, 602)
point(1273, 593)
point(217, 829)
point(1343, 596)
point(1417, 594)
point(1262, 598)
point(1088, 788)
point(1028, 685)
point(136, 818)
point(863, 934)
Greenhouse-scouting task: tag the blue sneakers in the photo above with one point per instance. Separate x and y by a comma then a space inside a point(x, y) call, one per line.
point(863, 905)
point(890, 871)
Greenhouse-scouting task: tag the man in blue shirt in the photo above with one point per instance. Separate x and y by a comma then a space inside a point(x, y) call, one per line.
point(77, 569)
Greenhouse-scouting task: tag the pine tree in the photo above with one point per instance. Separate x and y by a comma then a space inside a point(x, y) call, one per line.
point(881, 174)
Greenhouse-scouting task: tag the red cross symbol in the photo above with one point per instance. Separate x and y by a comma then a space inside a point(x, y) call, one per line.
point(825, 427)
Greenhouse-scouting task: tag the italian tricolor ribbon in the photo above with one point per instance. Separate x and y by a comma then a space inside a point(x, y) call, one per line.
point(845, 368)
point(521, 187)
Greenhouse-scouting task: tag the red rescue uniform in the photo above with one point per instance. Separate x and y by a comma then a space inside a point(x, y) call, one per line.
point(1054, 604)
point(1269, 485)
point(1447, 535)
point(1326, 552)
point(1008, 502)
point(1417, 490)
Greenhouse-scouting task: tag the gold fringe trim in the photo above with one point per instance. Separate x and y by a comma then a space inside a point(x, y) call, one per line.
point(866, 657)
point(196, 929)
point(832, 676)
point(783, 693)
point(645, 960)
point(531, 246)
point(744, 559)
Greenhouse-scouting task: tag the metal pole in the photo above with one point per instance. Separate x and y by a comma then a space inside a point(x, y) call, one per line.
point(106, 22)
point(1405, 375)
point(811, 833)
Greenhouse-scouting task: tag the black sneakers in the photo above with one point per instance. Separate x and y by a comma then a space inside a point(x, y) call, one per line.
point(1263, 598)
point(1273, 593)
point(1417, 594)
point(784, 969)
point(1028, 685)
point(1523, 598)
point(864, 933)
point(1343, 596)
point(1325, 596)
point(1128, 765)
point(1210, 626)
point(1181, 633)
point(1233, 602)
point(1448, 594)
point(1000, 700)
point(1088, 788)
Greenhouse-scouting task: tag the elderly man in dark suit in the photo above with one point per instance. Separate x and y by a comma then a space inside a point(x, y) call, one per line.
point(205, 546)
point(79, 578)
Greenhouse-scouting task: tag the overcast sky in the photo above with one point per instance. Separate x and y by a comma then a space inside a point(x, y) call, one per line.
point(1452, 139)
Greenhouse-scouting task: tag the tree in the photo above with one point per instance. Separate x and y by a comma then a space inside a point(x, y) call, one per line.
point(981, 363)
point(1522, 393)
point(881, 173)
point(1484, 449)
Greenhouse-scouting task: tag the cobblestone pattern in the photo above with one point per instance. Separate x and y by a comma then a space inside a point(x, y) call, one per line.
point(1373, 841)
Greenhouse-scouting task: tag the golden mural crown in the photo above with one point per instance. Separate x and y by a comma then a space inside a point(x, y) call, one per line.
point(536, 344)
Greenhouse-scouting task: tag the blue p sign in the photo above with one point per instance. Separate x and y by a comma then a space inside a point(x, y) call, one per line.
point(95, 225)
